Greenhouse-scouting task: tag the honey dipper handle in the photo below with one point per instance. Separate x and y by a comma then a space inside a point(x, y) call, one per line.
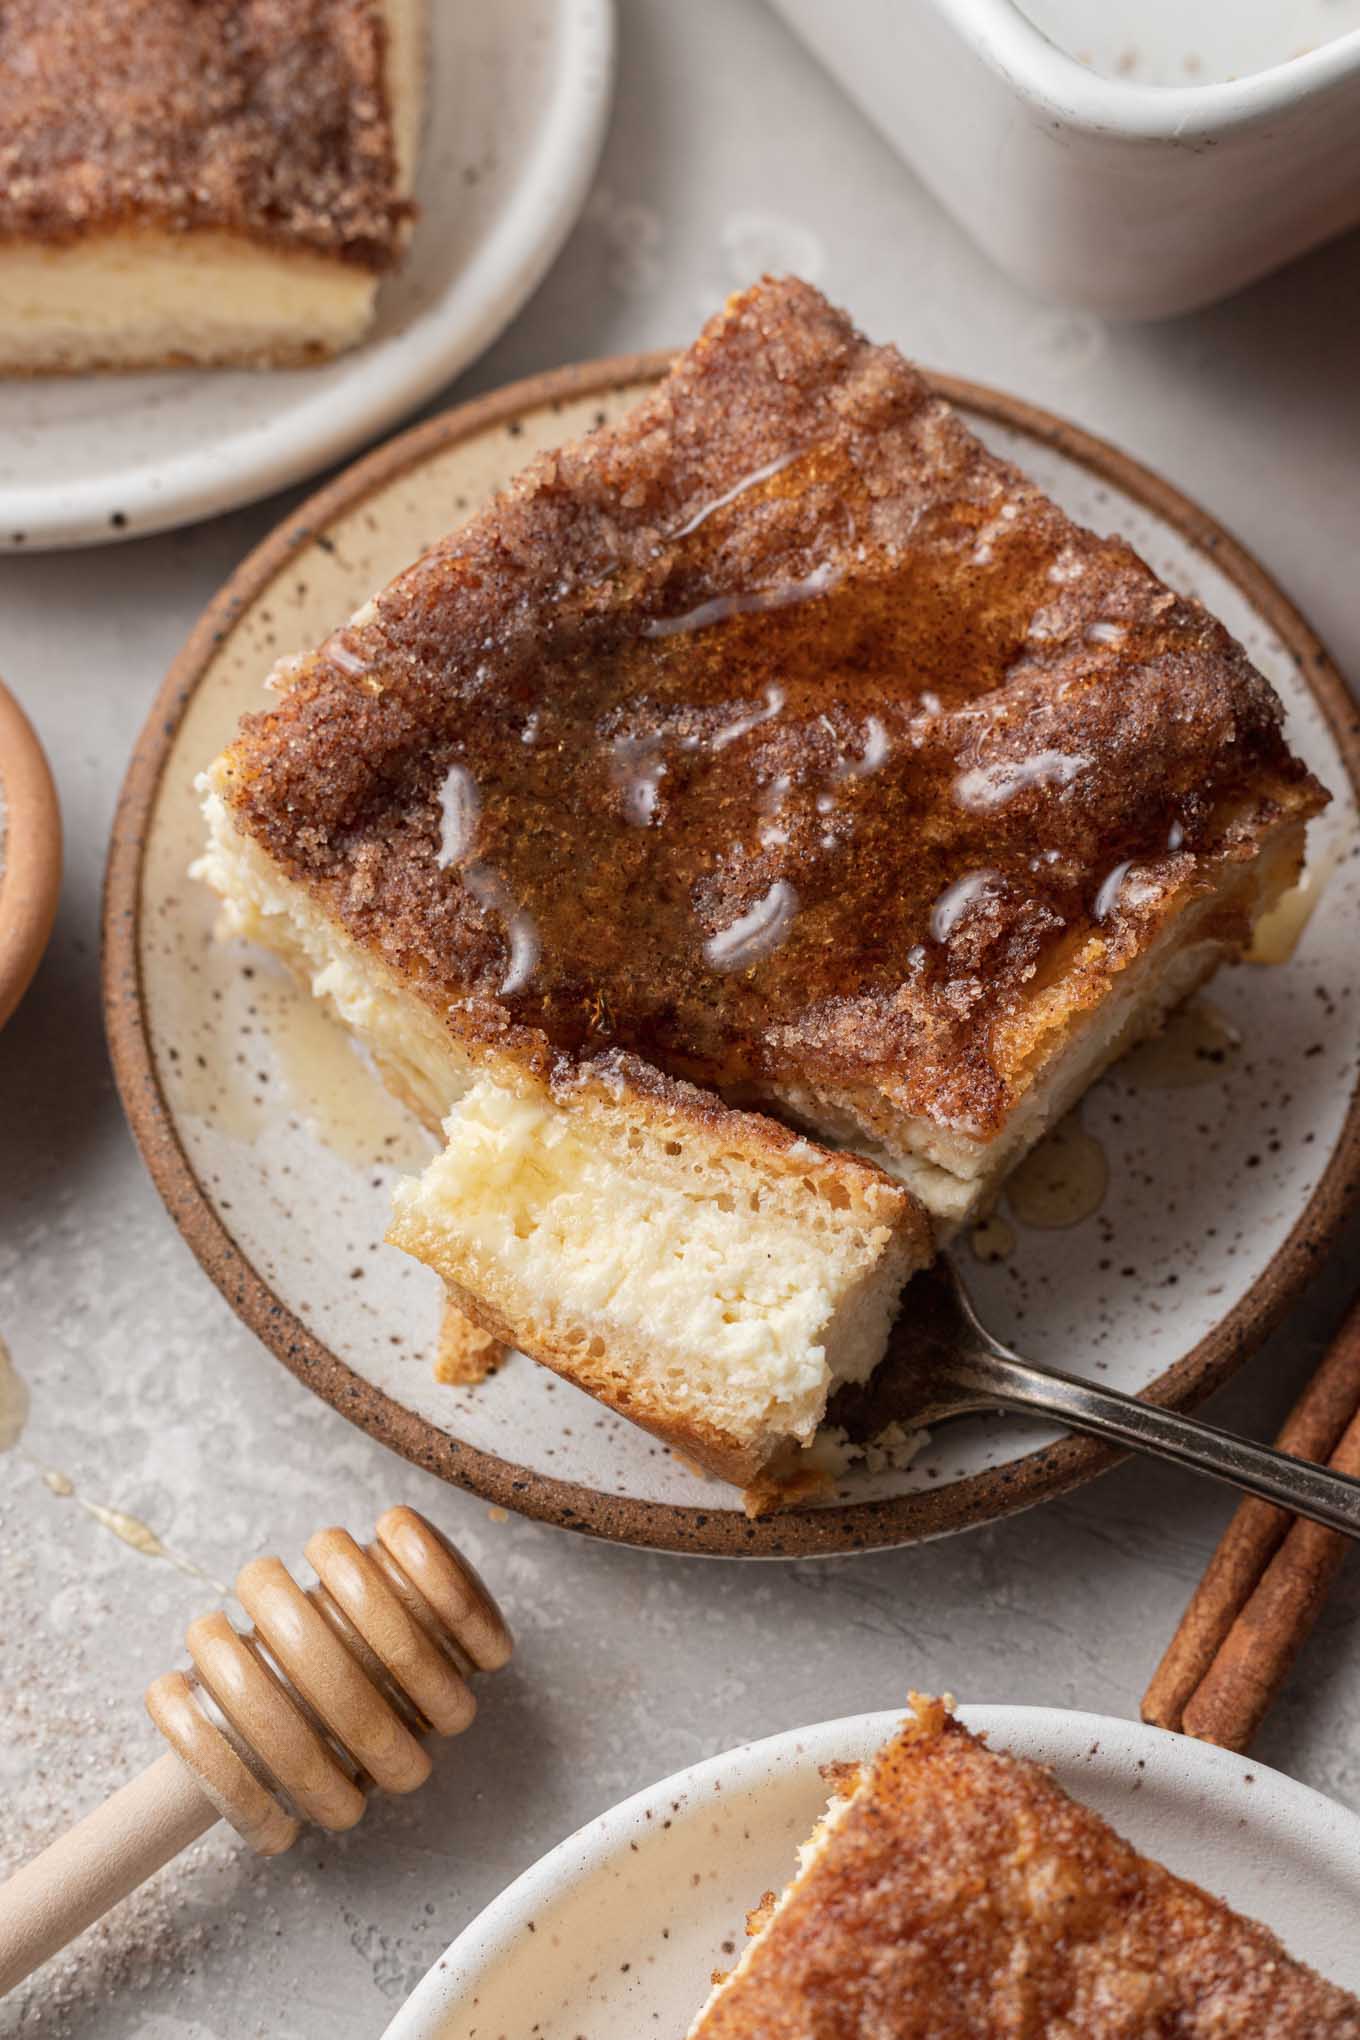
point(97, 1863)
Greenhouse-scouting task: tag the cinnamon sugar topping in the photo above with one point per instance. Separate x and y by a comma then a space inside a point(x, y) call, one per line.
point(788, 719)
point(268, 118)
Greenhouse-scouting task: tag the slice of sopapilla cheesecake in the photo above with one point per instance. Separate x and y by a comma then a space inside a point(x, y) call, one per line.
point(201, 182)
point(786, 741)
point(704, 1271)
point(952, 1892)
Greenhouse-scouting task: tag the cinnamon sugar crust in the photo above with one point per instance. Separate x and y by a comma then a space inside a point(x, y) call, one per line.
point(265, 118)
point(781, 734)
point(962, 1893)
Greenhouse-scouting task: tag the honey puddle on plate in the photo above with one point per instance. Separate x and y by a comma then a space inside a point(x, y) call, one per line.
point(1279, 932)
point(329, 1084)
point(298, 1061)
point(1062, 1181)
point(992, 1239)
point(1195, 1045)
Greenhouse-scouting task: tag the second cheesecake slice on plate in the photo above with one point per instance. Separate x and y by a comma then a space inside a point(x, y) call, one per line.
point(745, 836)
point(201, 183)
point(953, 1892)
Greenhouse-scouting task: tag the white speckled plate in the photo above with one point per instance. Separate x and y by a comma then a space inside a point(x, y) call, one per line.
point(1221, 1191)
point(517, 96)
point(615, 1933)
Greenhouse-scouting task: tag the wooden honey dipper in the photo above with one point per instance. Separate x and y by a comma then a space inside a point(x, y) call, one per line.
point(333, 1690)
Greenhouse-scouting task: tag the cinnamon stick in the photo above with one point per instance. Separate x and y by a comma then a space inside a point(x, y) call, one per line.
point(1231, 1700)
point(1255, 1535)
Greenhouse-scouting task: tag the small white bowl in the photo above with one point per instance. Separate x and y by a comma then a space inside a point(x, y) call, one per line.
point(1039, 129)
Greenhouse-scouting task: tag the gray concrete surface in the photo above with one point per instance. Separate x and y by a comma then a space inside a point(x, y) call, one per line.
point(729, 152)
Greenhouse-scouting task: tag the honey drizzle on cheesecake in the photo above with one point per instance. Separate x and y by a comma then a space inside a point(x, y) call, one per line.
point(734, 725)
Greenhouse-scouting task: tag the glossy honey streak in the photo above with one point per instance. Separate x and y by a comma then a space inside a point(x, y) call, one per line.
point(692, 851)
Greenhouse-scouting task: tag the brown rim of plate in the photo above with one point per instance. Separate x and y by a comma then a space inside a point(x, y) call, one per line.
point(30, 853)
point(718, 1532)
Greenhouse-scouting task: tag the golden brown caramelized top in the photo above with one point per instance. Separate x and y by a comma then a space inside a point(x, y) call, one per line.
point(262, 117)
point(963, 1893)
point(780, 733)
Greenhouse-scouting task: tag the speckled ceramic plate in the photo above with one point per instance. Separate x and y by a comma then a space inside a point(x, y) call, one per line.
point(30, 853)
point(617, 1931)
point(517, 96)
point(275, 1151)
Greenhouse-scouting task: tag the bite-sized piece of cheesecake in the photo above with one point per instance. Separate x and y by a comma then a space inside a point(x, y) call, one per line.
point(952, 1892)
point(200, 182)
point(703, 1271)
point(466, 1354)
point(783, 737)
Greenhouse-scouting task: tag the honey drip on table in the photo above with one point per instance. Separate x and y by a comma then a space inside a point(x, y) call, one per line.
point(13, 1401)
point(130, 1530)
point(1062, 1181)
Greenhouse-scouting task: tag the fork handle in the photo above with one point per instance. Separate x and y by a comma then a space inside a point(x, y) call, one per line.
point(1006, 1381)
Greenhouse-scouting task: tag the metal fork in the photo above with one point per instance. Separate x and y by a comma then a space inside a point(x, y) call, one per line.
point(945, 1363)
